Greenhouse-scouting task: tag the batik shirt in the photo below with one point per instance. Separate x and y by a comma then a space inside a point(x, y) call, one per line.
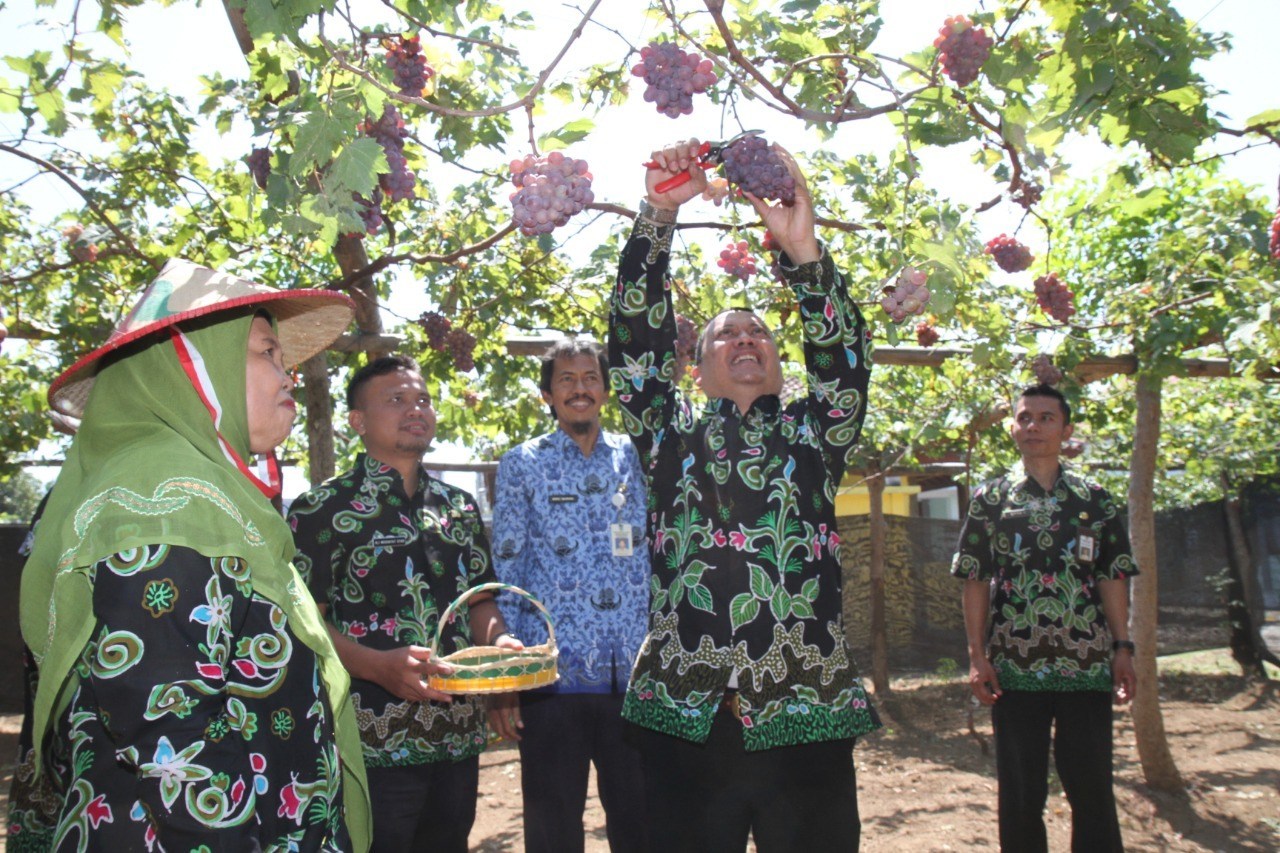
point(552, 525)
point(199, 722)
point(746, 568)
point(387, 565)
point(1048, 631)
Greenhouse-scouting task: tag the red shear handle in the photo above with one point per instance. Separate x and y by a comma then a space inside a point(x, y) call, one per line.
point(682, 178)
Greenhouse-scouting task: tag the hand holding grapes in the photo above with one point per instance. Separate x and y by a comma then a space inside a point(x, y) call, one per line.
point(669, 162)
point(792, 225)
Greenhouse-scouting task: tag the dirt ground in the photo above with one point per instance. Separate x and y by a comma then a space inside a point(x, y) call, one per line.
point(927, 781)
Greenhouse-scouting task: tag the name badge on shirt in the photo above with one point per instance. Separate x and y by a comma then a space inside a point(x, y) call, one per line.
point(389, 540)
point(620, 539)
point(563, 499)
point(1086, 545)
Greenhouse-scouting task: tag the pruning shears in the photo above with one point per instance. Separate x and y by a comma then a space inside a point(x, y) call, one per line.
point(710, 155)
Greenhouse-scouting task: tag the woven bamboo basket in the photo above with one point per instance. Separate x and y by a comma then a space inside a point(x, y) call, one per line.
point(490, 669)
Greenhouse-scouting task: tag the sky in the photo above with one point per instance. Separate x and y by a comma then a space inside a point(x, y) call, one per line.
point(615, 150)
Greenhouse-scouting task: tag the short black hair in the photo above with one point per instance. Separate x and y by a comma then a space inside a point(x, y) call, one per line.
point(378, 367)
point(1043, 390)
point(702, 336)
point(572, 348)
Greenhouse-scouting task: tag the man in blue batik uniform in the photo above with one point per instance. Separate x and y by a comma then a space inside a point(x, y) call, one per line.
point(569, 528)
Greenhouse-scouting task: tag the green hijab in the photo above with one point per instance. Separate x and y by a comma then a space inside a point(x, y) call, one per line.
point(146, 468)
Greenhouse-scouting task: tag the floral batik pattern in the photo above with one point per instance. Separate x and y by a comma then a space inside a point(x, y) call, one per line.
point(387, 565)
point(745, 556)
point(1048, 631)
point(198, 721)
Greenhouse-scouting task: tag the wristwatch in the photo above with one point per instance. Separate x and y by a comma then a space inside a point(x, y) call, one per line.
point(1117, 645)
point(656, 215)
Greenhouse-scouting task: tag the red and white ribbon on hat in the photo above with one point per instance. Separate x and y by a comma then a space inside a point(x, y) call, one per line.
point(193, 365)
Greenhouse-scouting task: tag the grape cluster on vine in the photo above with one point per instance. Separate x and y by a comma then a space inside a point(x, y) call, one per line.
point(389, 132)
point(908, 296)
point(1047, 373)
point(550, 190)
point(755, 168)
point(1027, 194)
point(461, 345)
point(259, 162)
point(1055, 298)
point(370, 213)
point(409, 69)
point(437, 326)
point(962, 48)
point(736, 260)
point(1275, 236)
point(1009, 254)
point(673, 77)
point(926, 334)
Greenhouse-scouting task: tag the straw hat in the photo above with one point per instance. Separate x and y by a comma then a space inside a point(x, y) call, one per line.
point(307, 320)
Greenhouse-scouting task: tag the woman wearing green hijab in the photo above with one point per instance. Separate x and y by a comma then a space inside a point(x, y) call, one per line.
point(188, 695)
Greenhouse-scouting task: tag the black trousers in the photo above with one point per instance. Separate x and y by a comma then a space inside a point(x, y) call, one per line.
point(563, 735)
point(708, 798)
point(425, 807)
point(1081, 725)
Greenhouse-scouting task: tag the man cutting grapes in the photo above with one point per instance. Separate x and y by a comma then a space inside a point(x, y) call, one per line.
point(745, 688)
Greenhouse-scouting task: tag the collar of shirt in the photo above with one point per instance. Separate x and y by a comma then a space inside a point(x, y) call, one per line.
point(764, 406)
point(371, 467)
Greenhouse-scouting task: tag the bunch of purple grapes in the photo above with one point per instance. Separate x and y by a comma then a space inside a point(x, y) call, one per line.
point(673, 77)
point(389, 132)
point(1010, 255)
point(736, 260)
point(926, 334)
point(551, 189)
point(259, 161)
point(757, 169)
point(1027, 194)
point(908, 296)
point(437, 326)
point(962, 48)
point(1055, 298)
point(461, 345)
point(1275, 236)
point(1045, 370)
point(370, 213)
point(409, 68)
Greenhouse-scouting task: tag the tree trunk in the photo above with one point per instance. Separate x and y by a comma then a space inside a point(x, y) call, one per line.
point(1158, 767)
point(318, 400)
point(879, 631)
point(1244, 610)
point(351, 256)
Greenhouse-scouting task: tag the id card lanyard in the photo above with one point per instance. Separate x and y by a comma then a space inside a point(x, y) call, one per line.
point(620, 531)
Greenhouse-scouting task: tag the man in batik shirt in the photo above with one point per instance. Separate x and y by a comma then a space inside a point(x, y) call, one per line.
point(745, 682)
point(1046, 565)
point(385, 548)
point(569, 527)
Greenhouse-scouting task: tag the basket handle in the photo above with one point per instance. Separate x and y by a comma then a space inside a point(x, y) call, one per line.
point(488, 587)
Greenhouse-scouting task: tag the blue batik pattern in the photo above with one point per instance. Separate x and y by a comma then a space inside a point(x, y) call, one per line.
point(551, 534)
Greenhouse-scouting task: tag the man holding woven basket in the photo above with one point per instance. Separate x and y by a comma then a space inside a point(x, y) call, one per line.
point(745, 682)
point(385, 548)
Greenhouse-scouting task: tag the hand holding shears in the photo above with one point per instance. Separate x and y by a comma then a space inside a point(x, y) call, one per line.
point(710, 155)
